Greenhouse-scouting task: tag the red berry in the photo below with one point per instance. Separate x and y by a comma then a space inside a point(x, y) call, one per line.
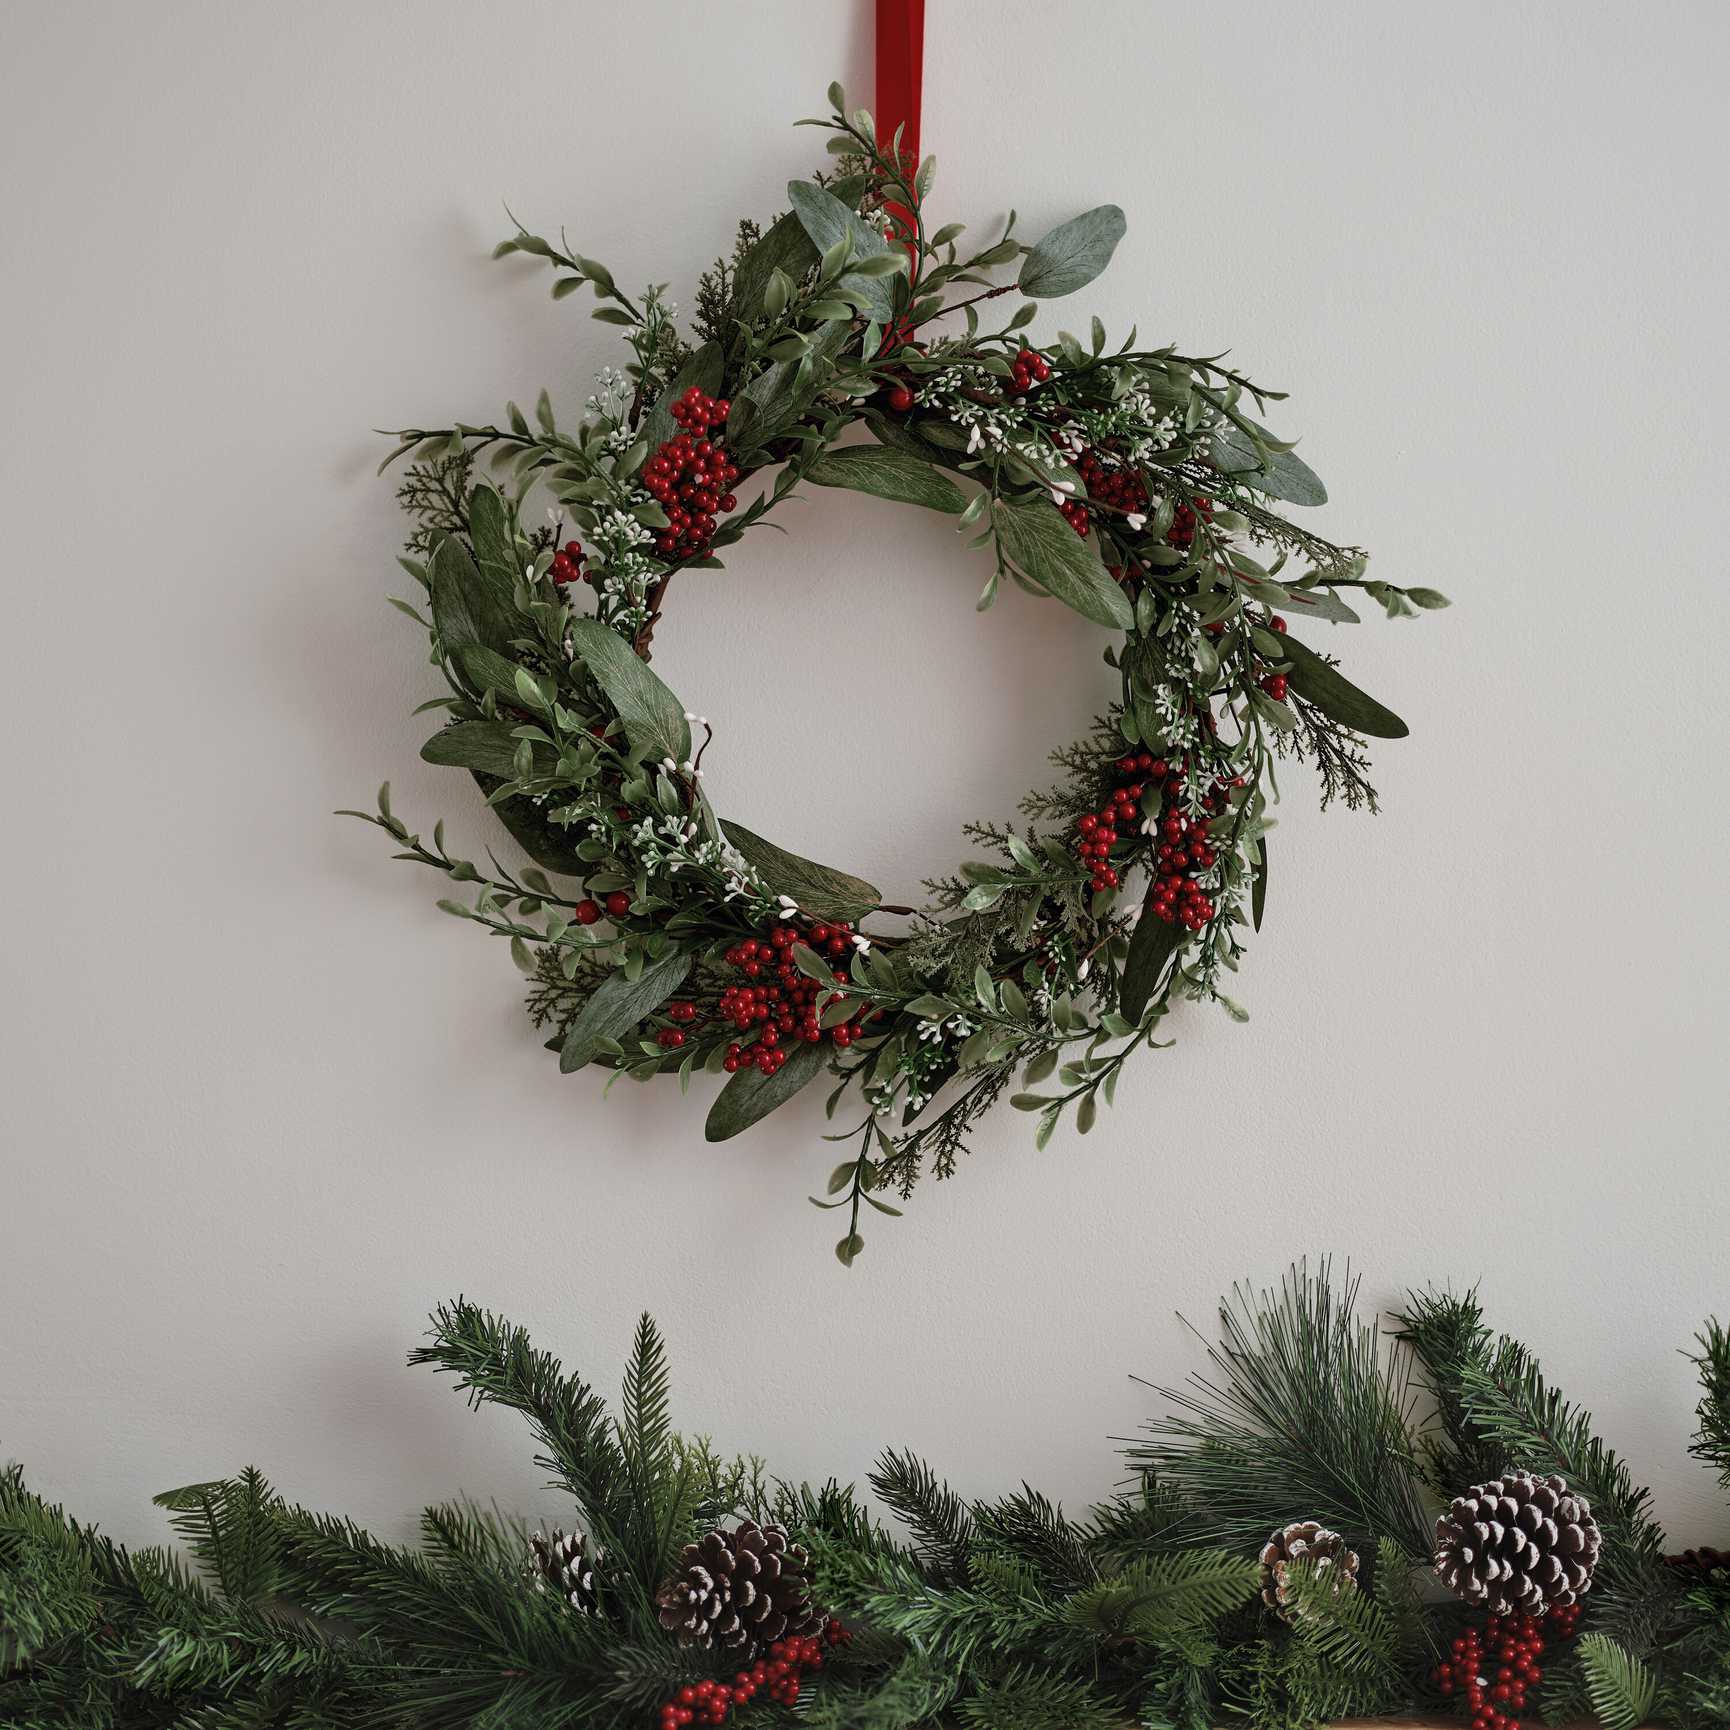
point(588, 912)
point(618, 904)
point(1274, 685)
point(900, 399)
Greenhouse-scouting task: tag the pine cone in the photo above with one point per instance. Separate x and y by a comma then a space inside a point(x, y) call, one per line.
point(748, 1587)
point(561, 1564)
point(1518, 1545)
point(1311, 1542)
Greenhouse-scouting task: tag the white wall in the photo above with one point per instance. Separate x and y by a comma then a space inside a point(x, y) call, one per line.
point(263, 1105)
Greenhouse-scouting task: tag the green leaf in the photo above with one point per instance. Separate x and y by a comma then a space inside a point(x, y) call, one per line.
point(702, 369)
point(547, 843)
point(1258, 895)
point(1280, 474)
point(1153, 944)
point(1622, 1688)
point(778, 395)
point(783, 246)
point(618, 1004)
point(887, 474)
point(654, 718)
point(1320, 604)
point(1041, 545)
point(1073, 253)
point(487, 670)
point(487, 746)
point(465, 608)
point(496, 560)
point(826, 220)
point(1337, 697)
point(751, 1095)
point(818, 889)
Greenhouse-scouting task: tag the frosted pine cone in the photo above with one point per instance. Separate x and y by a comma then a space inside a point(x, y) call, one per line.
point(561, 1564)
point(746, 1588)
point(1518, 1545)
point(1310, 1542)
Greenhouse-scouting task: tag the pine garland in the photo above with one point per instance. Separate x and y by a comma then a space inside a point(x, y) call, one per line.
point(967, 1613)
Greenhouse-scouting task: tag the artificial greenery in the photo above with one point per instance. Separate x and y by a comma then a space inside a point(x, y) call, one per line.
point(972, 1612)
point(1131, 484)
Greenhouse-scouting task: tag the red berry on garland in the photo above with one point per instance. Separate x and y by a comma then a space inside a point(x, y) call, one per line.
point(1274, 685)
point(1276, 623)
point(900, 399)
point(588, 912)
point(618, 904)
point(669, 1039)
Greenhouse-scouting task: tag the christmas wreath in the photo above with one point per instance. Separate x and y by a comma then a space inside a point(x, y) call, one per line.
point(1294, 1545)
point(1129, 484)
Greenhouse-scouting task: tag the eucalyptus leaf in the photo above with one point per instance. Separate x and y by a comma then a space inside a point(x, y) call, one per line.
point(827, 220)
point(1281, 474)
point(779, 394)
point(1153, 944)
point(818, 889)
point(618, 1004)
point(751, 1095)
point(497, 566)
point(1337, 697)
point(487, 746)
point(887, 474)
point(1041, 545)
point(547, 843)
point(466, 609)
point(654, 718)
point(1072, 254)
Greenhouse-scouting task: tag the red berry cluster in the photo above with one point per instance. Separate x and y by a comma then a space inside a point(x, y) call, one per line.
point(1513, 1644)
point(1181, 534)
point(1029, 368)
point(568, 563)
point(779, 1003)
point(1184, 851)
point(778, 1674)
point(1120, 488)
point(1096, 832)
point(589, 911)
point(689, 476)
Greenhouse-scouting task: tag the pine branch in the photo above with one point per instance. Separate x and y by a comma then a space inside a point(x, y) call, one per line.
point(1026, 1698)
point(1159, 1597)
point(1621, 1687)
point(1032, 1528)
point(495, 1363)
point(1711, 1444)
point(230, 1527)
point(941, 1525)
point(1305, 1417)
point(1445, 1333)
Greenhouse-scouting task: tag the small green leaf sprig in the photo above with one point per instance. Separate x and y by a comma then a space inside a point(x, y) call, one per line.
point(1135, 486)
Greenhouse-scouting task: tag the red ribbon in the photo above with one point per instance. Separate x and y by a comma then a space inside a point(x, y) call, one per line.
point(900, 73)
point(900, 85)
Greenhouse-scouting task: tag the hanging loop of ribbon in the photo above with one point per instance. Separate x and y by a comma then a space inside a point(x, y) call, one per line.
point(900, 88)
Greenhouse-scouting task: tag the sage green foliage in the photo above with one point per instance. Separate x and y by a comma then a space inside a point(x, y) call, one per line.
point(969, 1612)
point(863, 350)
